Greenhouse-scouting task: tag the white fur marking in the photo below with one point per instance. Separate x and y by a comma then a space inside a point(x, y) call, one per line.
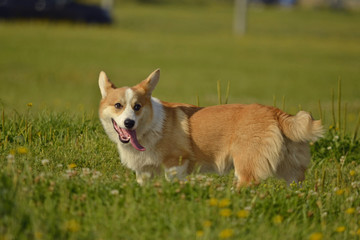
point(102, 84)
point(129, 112)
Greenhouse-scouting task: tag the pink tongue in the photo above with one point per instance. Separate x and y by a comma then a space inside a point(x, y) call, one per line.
point(133, 140)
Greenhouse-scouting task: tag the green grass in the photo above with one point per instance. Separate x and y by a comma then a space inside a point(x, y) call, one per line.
point(61, 178)
point(299, 54)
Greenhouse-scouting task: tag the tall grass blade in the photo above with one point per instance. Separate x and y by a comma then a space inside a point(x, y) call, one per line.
point(3, 121)
point(274, 101)
point(333, 108)
point(197, 101)
point(356, 129)
point(338, 126)
point(283, 103)
point(323, 177)
point(219, 92)
point(227, 92)
point(320, 112)
point(345, 120)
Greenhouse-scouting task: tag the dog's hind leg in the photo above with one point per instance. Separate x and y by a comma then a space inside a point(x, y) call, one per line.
point(293, 167)
point(244, 170)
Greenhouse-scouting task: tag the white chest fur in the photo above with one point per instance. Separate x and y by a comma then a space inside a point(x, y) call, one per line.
point(148, 137)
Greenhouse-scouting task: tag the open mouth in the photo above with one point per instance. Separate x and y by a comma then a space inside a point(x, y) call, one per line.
point(126, 135)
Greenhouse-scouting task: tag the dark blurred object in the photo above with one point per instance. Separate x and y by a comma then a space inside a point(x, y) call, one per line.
point(55, 10)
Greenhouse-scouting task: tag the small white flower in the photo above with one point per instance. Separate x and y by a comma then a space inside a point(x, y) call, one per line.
point(355, 184)
point(336, 138)
point(114, 192)
point(324, 214)
point(86, 171)
point(248, 208)
point(313, 193)
point(45, 161)
point(329, 148)
point(342, 160)
point(10, 158)
point(96, 174)
point(59, 165)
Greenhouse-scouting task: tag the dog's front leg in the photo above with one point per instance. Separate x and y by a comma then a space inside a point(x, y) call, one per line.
point(177, 172)
point(142, 177)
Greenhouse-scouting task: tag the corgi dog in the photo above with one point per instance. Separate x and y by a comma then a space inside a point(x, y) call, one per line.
point(154, 136)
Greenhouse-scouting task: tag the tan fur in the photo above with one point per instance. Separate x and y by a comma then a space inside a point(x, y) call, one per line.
point(257, 141)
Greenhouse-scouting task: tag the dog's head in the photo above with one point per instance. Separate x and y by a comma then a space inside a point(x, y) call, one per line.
point(125, 111)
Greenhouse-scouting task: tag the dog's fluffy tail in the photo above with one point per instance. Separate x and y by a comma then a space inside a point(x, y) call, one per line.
point(301, 127)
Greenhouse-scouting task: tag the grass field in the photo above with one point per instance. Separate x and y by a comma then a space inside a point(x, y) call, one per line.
point(60, 176)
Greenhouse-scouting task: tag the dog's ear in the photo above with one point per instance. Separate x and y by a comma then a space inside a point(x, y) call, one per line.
point(150, 82)
point(104, 84)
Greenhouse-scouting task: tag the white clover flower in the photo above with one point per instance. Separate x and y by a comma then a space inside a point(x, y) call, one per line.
point(329, 148)
point(342, 160)
point(313, 193)
point(248, 208)
point(86, 171)
point(114, 192)
point(45, 161)
point(96, 174)
point(10, 158)
point(355, 184)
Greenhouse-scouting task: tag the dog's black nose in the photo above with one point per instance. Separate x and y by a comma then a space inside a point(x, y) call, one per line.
point(129, 123)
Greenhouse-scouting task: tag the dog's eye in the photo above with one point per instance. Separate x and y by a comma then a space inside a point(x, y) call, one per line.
point(137, 107)
point(118, 106)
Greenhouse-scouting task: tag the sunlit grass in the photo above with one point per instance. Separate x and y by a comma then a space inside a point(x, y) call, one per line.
point(299, 54)
point(64, 180)
point(60, 176)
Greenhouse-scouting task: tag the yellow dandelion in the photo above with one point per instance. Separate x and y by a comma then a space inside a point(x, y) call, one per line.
point(224, 202)
point(207, 223)
point(199, 234)
point(38, 235)
point(316, 236)
point(358, 232)
point(12, 152)
point(213, 202)
point(340, 229)
point(350, 210)
point(29, 104)
point(243, 213)
point(278, 219)
point(226, 233)
point(225, 212)
point(72, 165)
point(339, 192)
point(22, 150)
point(352, 172)
point(72, 226)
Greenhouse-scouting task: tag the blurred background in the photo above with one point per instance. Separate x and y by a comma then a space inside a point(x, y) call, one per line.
point(51, 51)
